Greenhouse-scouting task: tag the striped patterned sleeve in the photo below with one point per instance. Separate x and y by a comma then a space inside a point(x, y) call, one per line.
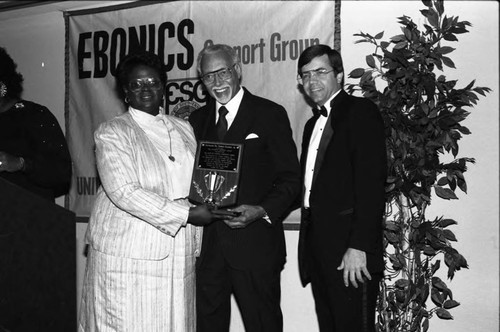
point(116, 156)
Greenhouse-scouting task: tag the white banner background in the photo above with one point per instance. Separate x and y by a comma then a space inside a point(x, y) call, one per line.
point(269, 36)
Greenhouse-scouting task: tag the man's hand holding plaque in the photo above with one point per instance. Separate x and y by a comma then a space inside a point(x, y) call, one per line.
point(244, 215)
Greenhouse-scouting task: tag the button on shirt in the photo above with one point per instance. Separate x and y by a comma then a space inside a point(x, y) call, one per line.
point(312, 151)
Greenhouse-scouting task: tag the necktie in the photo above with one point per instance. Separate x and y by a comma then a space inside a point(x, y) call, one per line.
point(323, 111)
point(222, 123)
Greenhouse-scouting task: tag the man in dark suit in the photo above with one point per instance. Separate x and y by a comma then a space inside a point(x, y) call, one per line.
point(344, 171)
point(244, 255)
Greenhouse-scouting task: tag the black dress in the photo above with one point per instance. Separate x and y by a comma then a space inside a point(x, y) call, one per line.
point(31, 131)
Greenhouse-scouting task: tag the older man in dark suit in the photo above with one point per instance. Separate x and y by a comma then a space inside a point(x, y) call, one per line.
point(344, 170)
point(244, 255)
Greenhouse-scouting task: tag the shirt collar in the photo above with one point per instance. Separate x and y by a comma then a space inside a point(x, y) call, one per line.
point(327, 104)
point(143, 117)
point(233, 105)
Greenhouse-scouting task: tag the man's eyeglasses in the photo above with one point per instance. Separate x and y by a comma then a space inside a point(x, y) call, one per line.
point(307, 75)
point(223, 74)
point(138, 85)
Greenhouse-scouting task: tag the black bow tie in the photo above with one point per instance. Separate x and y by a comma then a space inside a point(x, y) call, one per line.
point(322, 111)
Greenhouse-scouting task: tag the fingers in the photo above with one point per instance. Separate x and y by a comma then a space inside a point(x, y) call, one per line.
point(346, 278)
point(222, 215)
point(354, 275)
point(247, 215)
point(243, 219)
point(366, 273)
point(233, 223)
point(341, 266)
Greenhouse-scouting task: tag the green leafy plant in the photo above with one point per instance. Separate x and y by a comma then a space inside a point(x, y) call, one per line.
point(423, 112)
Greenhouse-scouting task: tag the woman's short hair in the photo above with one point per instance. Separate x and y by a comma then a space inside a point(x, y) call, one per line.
point(138, 58)
point(9, 75)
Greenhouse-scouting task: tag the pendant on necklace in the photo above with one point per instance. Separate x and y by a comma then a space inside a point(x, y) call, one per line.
point(171, 158)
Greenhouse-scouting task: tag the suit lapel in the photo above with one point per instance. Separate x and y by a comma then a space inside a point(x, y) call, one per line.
point(306, 140)
point(242, 122)
point(209, 131)
point(338, 108)
point(326, 137)
point(337, 112)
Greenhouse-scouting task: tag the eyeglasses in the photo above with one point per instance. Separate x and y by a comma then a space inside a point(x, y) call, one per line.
point(307, 75)
point(151, 83)
point(223, 74)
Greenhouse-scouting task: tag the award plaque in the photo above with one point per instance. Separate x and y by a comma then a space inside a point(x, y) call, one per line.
point(216, 174)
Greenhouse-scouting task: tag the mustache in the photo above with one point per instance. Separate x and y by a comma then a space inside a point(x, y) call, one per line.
point(220, 87)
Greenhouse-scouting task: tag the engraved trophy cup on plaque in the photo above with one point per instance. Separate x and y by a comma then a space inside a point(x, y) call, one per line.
point(216, 174)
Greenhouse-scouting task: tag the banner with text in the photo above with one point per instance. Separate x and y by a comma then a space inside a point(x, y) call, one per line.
point(268, 35)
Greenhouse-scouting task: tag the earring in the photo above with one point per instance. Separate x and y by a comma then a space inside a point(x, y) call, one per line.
point(3, 89)
point(126, 100)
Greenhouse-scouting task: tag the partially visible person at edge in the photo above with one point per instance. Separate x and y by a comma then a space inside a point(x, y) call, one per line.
point(33, 150)
point(244, 255)
point(344, 171)
point(142, 234)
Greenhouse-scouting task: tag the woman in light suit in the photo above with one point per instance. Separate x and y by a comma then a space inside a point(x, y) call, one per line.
point(142, 234)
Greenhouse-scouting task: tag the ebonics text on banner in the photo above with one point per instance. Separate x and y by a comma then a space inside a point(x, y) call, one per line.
point(108, 48)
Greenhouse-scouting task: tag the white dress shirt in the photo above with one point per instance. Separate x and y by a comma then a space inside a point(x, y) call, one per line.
point(232, 108)
point(312, 151)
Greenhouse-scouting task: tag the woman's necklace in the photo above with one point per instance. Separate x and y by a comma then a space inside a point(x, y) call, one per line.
point(162, 114)
point(170, 143)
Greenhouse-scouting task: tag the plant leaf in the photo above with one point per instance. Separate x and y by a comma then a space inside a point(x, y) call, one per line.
point(370, 60)
point(429, 251)
point(436, 297)
point(379, 35)
point(442, 181)
point(445, 193)
point(450, 37)
point(450, 304)
point(448, 62)
point(357, 73)
point(425, 325)
point(435, 267)
point(427, 3)
point(443, 313)
point(439, 284)
point(447, 222)
point(398, 38)
point(449, 235)
point(391, 226)
point(400, 45)
point(446, 49)
point(384, 44)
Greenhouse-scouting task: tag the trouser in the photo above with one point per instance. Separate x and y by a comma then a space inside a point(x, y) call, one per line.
point(257, 293)
point(340, 308)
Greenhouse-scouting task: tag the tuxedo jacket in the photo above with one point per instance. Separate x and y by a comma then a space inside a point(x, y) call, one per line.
point(347, 194)
point(134, 214)
point(270, 177)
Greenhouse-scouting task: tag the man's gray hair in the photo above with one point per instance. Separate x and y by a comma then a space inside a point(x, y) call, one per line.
point(215, 49)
